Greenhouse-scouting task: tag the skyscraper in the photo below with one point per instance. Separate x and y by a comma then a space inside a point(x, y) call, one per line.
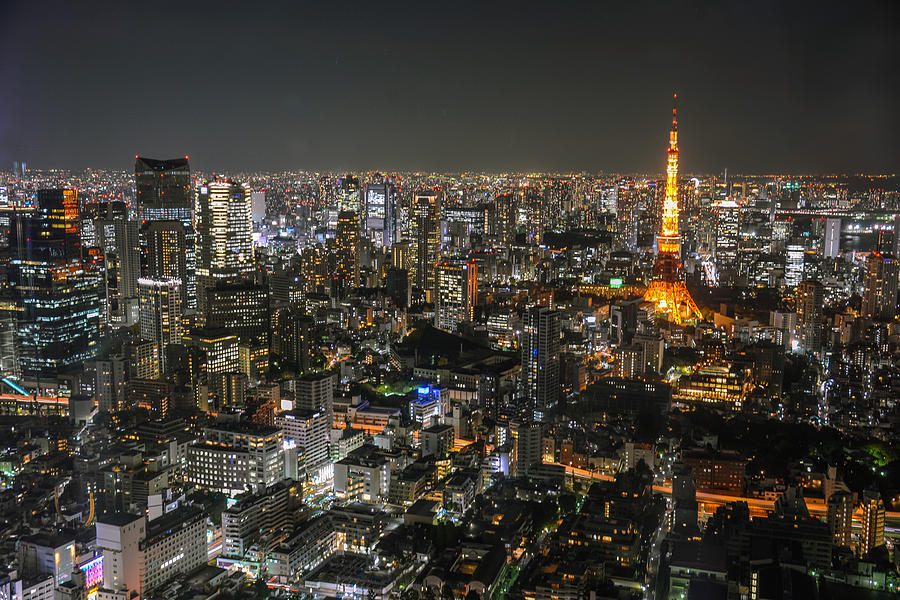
point(880, 297)
point(242, 308)
point(727, 235)
point(55, 286)
point(161, 309)
point(667, 290)
point(224, 235)
point(346, 273)
point(118, 240)
point(809, 299)
point(380, 219)
point(832, 248)
point(794, 265)
point(457, 288)
point(163, 193)
point(163, 188)
point(425, 228)
point(165, 249)
point(540, 359)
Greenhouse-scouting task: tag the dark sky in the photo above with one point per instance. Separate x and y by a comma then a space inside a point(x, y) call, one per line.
point(763, 86)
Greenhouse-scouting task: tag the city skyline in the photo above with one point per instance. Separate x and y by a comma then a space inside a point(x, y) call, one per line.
point(414, 302)
point(765, 88)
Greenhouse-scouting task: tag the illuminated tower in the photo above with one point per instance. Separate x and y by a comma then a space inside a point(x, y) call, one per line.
point(667, 290)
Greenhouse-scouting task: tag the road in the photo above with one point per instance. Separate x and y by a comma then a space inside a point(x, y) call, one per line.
point(759, 507)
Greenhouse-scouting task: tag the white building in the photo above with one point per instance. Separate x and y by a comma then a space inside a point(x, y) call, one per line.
point(235, 457)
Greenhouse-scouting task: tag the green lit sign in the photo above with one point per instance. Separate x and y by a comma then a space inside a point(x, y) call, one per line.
point(615, 283)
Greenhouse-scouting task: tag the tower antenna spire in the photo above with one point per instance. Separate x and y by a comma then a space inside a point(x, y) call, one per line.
point(675, 110)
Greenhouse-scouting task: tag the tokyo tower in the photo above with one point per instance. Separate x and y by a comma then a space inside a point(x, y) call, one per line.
point(667, 290)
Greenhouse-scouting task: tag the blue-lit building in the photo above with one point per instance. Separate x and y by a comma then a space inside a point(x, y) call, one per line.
point(429, 406)
point(56, 286)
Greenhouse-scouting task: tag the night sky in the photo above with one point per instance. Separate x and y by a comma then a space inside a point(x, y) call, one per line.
point(763, 86)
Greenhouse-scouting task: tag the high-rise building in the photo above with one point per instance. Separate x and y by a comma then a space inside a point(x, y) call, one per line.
point(832, 247)
point(540, 359)
point(667, 291)
point(258, 206)
point(165, 250)
point(504, 224)
point(314, 392)
point(880, 297)
point(233, 457)
point(242, 308)
point(109, 383)
point(163, 193)
point(55, 285)
point(308, 433)
point(727, 235)
point(160, 314)
point(119, 537)
point(346, 273)
point(872, 534)
point(457, 290)
point(380, 220)
point(527, 449)
point(794, 265)
point(840, 517)
point(224, 235)
point(425, 231)
point(163, 188)
point(119, 242)
point(810, 299)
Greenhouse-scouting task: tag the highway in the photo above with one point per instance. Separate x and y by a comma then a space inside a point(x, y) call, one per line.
point(759, 507)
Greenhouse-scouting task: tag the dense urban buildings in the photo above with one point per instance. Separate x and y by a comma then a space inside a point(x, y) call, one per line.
point(411, 386)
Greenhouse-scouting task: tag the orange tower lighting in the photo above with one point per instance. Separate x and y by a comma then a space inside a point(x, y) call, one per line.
point(667, 290)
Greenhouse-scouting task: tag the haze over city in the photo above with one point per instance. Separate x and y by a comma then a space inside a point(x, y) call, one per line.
point(766, 87)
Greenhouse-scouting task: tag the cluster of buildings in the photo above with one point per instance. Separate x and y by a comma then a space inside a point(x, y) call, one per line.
point(467, 385)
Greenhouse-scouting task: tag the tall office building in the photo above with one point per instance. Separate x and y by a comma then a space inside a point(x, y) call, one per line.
point(163, 193)
point(425, 230)
point(457, 289)
point(794, 265)
point(505, 217)
point(232, 457)
point(119, 242)
point(160, 314)
point(832, 247)
point(810, 299)
point(540, 359)
point(241, 308)
point(165, 250)
point(880, 297)
point(346, 273)
point(380, 217)
point(162, 188)
point(308, 433)
point(224, 235)
point(626, 214)
point(727, 236)
point(872, 534)
point(56, 287)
